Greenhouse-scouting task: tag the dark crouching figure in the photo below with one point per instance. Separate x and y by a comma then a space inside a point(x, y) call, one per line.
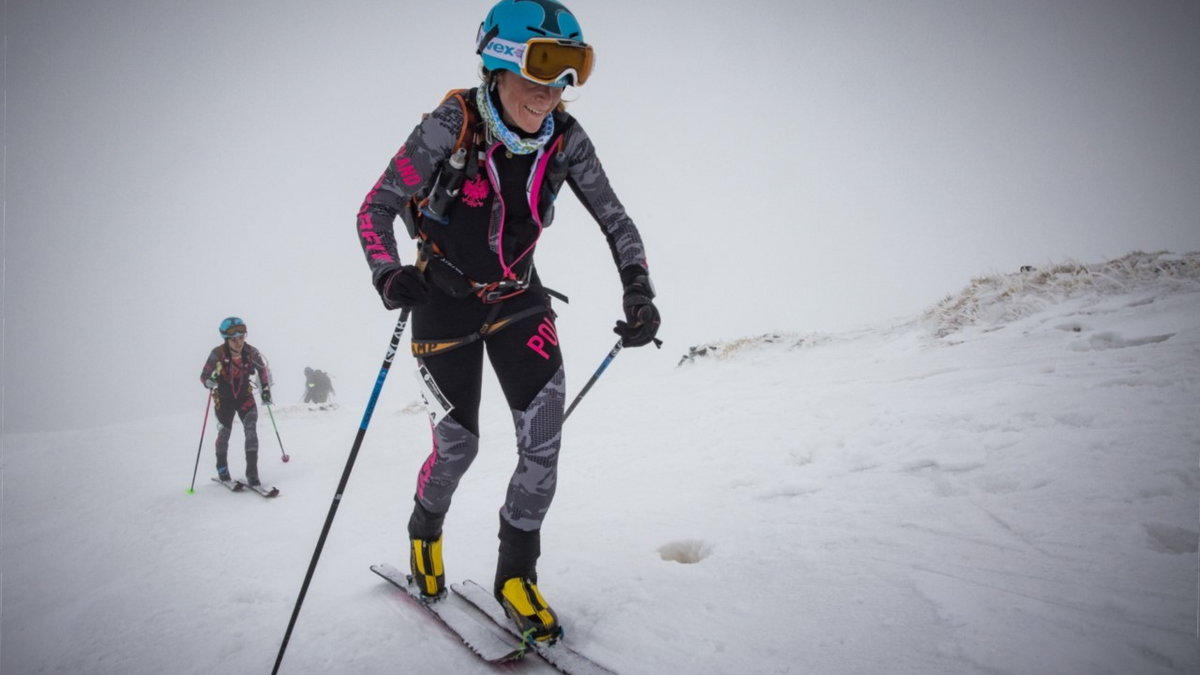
point(318, 387)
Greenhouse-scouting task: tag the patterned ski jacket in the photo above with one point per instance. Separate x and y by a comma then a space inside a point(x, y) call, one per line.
point(488, 238)
point(233, 376)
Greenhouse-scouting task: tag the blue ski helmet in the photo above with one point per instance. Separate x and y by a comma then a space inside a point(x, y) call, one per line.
point(511, 24)
point(232, 326)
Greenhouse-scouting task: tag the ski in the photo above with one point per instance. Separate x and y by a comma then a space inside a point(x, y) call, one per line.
point(233, 485)
point(264, 491)
point(479, 635)
point(559, 654)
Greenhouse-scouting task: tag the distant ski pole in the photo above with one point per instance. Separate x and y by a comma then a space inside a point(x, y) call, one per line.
point(207, 405)
point(281, 450)
point(341, 488)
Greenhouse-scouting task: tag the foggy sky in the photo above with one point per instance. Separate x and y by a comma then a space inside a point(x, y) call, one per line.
point(793, 166)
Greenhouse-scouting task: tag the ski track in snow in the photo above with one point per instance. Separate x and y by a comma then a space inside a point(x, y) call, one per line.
point(1019, 495)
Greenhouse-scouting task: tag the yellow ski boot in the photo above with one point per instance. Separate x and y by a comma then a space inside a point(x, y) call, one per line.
point(527, 608)
point(425, 559)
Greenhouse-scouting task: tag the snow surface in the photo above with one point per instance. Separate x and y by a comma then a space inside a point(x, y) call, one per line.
point(1006, 484)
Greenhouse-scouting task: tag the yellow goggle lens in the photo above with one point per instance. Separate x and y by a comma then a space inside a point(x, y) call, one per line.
point(548, 60)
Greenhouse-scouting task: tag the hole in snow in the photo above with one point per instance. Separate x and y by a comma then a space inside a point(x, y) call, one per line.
point(686, 551)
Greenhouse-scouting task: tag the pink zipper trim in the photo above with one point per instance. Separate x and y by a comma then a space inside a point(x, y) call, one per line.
point(506, 269)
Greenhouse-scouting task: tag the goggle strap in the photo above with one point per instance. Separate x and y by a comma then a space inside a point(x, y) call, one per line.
point(505, 50)
point(485, 38)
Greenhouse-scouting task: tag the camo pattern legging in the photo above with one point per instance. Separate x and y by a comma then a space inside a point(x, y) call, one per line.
point(248, 412)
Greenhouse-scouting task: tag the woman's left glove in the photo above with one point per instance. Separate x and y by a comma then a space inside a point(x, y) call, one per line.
point(641, 316)
point(402, 287)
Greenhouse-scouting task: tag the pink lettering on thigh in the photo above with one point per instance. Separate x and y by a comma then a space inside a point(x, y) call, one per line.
point(546, 330)
point(537, 344)
point(546, 333)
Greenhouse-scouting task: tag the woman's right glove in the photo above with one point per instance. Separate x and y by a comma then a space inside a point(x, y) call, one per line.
point(641, 316)
point(402, 287)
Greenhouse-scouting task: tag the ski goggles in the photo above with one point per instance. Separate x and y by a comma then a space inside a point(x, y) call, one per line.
point(235, 336)
point(545, 60)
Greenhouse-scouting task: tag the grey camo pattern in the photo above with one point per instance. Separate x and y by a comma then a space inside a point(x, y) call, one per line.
point(454, 449)
point(249, 426)
point(431, 142)
point(539, 436)
point(590, 184)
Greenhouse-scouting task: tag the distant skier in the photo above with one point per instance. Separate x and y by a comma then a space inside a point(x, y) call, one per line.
point(317, 386)
point(491, 162)
point(227, 374)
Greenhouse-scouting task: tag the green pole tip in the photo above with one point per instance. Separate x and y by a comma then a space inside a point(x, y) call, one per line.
point(191, 491)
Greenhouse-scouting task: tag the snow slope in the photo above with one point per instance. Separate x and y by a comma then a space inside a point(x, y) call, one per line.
point(1006, 484)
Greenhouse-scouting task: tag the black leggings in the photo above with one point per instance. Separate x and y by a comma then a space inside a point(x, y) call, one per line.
point(524, 354)
point(248, 412)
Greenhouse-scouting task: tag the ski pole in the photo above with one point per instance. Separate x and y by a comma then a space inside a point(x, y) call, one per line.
point(600, 371)
point(207, 405)
point(286, 458)
point(595, 376)
point(341, 488)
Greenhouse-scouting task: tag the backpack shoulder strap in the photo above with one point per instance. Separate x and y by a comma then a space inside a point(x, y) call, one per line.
point(471, 120)
point(447, 180)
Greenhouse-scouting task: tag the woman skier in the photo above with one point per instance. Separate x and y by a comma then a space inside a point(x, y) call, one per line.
point(226, 374)
point(475, 183)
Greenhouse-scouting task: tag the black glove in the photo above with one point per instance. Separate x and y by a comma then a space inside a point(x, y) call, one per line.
point(402, 287)
point(266, 396)
point(641, 316)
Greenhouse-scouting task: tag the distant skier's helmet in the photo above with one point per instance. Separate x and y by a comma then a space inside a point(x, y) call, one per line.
point(539, 40)
point(232, 327)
